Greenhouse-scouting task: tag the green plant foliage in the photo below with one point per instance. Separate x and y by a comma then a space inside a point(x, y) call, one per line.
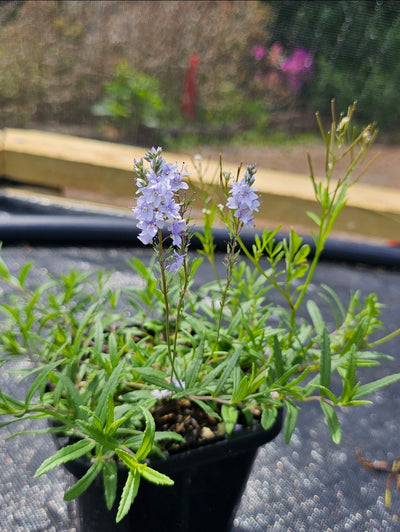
point(101, 367)
point(132, 100)
point(355, 46)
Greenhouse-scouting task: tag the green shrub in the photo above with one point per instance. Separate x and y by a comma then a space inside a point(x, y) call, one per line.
point(355, 46)
point(132, 101)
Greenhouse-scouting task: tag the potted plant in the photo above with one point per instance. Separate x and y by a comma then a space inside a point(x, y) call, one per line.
point(160, 393)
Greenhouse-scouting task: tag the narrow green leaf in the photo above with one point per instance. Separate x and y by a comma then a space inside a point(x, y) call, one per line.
point(4, 270)
point(268, 416)
point(71, 392)
point(358, 403)
point(207, 408)
point(288, 373)
point(332, 420)
point(98, 336)
point(128, 459)
point(139, 267)
point(371, 387)
point(10, 405)
point(168, 435)
point(278, 358)
point(65, 454)
point(24, 272)
point(110, 482)
point(195, 364)
point(240, 392)
point(147, 472)
point(109, 389)
point(325, 363)
point(350, 378)
point(316, 316)
point(113, 349)
point(336, 299)
point(128, 494)
point(236, 375)
point(40, 380)
point(156, 377)
point(94, 420)
point(290, 420)
point(148, 436)
point(327, 392)
point(155, 477)
point(86, 319)
point(93, 431)
point(110, 412)
point(316, 219)
point(230, 416)
point(83, 483)
point(230, 363)
point(111, 429)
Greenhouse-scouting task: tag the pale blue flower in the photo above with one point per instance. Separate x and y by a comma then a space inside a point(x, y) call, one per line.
point(148, 232)
point(243, 199)
point(178, 229)
point(178, 262)
point(158, 201)
point(160, 394)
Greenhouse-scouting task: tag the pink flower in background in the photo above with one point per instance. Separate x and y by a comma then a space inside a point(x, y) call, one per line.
point(275, 69)
point(259, 52)
point(299, 61)
point(298, 68)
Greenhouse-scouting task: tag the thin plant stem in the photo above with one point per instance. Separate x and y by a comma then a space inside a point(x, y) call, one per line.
point(384, 339)
point(164, 290)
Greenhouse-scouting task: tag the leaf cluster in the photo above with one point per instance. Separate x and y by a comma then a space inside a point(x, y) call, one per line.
point(98, 363)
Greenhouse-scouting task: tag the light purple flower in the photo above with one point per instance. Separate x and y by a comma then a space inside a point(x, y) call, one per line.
point(144, 210)
point(243, 199)
point(178, 261)
point(160, 394)
point(148, 232)
point(175, 178)
point(158, 201)
point(178, 229)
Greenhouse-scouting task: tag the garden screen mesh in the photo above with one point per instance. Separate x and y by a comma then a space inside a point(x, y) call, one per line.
point(194, 72)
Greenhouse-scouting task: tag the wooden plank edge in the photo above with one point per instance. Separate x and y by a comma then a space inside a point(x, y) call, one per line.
point(105, 169)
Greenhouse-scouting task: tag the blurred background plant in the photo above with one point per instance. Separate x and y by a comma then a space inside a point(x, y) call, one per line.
point(132, 103)
point(185, 73)
point(354, 46)
point(279, 77)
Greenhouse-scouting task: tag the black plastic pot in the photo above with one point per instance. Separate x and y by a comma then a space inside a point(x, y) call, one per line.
point(209, 482)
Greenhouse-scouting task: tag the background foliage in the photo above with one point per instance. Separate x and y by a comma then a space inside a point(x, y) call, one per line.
point(355, 45)
point(61, 66)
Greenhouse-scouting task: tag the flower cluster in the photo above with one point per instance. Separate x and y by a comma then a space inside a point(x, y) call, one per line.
point(243, 200)
point(158, 202)
point(275, 69)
